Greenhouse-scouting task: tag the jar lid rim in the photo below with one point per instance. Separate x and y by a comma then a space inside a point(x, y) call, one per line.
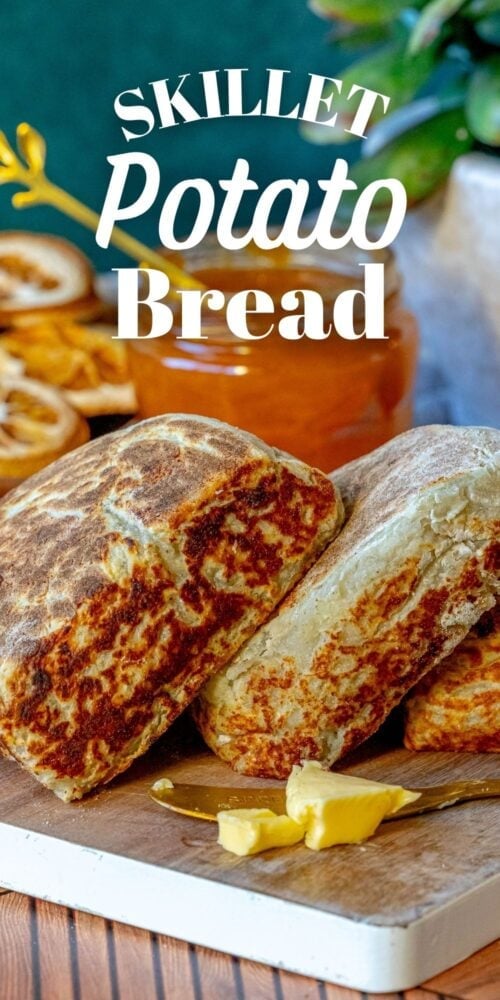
point(345, 262)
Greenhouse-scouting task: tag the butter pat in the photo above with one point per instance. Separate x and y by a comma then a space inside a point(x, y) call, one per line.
point(338, 808)
point(249, 831)
point(162, 784)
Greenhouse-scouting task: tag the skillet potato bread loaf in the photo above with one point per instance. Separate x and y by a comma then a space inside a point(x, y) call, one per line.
point(130, 571)
point(406, 579)
point(457, 705)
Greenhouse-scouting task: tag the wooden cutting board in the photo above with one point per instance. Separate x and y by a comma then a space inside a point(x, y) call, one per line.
point(418, 897)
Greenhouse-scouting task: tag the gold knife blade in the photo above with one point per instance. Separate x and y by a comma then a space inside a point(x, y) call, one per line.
point(205, 801)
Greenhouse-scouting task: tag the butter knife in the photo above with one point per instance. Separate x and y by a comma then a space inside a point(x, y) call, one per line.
point(205, 801)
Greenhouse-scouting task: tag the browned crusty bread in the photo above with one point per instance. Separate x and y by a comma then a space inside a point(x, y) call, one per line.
point(457, 705)
point(410, 573)
point(130, 571)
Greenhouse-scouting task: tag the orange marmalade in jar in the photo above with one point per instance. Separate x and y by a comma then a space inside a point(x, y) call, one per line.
point(325, 401)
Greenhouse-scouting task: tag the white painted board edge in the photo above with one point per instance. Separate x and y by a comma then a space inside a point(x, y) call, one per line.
point(262, 928)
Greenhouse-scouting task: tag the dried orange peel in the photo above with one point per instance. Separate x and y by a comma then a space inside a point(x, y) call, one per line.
point(43, 276)
point(10, 365)
point(37, 426)
point(84, 362)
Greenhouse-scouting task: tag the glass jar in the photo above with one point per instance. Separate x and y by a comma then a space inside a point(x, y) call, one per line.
point(326, 401)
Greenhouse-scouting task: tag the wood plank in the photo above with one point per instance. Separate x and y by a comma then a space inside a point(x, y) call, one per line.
point(19, 973)
point(132, 955)
point(214, 974)
point(329, 991)
point(420, 994)
point(259, 981)
point(478, 978)
point(91, 937)
point(189, 972)
point(381, 996)
point(59, 975)
point(173, 959)
point(293, 987)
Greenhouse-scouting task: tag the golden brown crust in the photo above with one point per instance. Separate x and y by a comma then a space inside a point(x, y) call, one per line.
point(149, 556)
point(414, 567)
point(457, 705)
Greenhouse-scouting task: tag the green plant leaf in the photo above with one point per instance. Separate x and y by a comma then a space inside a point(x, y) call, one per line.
point(488, 28)
point(353, 37)
point(390, 71)
point(482, 105)
point(361, 11)
point(409, 117)
point(481, 8)
point(431, 21)
point(421, 159)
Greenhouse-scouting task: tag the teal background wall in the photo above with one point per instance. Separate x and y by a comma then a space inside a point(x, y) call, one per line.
point(63, 62)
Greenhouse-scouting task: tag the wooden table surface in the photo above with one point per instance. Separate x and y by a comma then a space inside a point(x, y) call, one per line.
point(48, 952)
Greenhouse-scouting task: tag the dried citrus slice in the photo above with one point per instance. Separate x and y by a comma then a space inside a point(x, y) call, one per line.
point(37, 425)
point(43, 275)
point(10, 365)
point(89, 367)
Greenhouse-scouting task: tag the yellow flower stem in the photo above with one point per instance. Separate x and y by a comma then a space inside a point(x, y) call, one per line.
point(45, 192)
point(128, 244)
